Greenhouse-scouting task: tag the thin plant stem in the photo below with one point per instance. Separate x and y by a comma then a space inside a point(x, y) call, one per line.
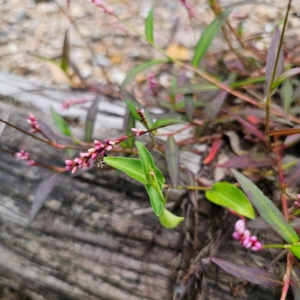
point(287, 276)
point(268, 100)
point(188, 187)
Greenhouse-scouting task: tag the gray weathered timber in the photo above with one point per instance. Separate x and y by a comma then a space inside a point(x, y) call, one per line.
point(90, 240)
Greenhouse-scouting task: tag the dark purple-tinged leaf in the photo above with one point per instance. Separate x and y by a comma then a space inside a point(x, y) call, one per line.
point(211, 111)
point(90, 119)
point(256, 160)
point(41, 195)
point(295, 283)
point(294, 138)
point(47, 131)
point(296, 223)
point(252, 274)
point(271, 60)
point(129, 123)
point(293, 177)
point(208, 35)
point(141, 68)
point(149, 27)
point(172, 157)
point(64, 64)
point(258, 223)
point(284, 76)
point(286, 94)
point(248, 126)
point(267, 210)
point(60, 122)
point(189, 106)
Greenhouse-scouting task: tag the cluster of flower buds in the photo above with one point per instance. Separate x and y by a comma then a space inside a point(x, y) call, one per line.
point(73, 101)
point(94, 155)
point(33, 121)
point(23, 155)
point(153, 83)
point(138, 131)
point(297, 203)
point(244, 236)
point(103, 7)
point(189, 8)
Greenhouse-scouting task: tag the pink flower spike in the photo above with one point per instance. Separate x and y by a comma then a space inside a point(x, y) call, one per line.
point(257, 246)
point(240, 226)
point(236, 235)
point(31, 163)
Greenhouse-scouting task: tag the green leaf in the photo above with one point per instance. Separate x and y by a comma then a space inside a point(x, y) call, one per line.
point(131, 166)
point(229, 196)
point(132, 105)
point(267, 210)
point(64, 64)
point(284, 76)
point(208, 35)
point(189, 106)
point(61, 124)
point(172, 158)
point(296, 250)
point(141, 68)
point(156, 199)
point(149, 27)
point(146, 159)
point(167, 122)
point(167, 219)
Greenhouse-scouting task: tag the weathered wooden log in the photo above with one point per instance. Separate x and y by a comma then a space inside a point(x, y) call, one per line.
point(89, 241)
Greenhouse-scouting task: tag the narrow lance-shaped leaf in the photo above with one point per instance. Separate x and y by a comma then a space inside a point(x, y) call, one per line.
point(61, 124)
point(133, 104)
point(172, 158)
point(149, 27)
point(166, 122)
point(90, 119)
point(146, 160)
point(286, 94)
point(271, 60)
point(296, 250)
point(41, 195)
point(169, 220)
point(208, 35)
point(65, 54)
point(229, 196)
point(284, 76)
point(189, 106)
point(47, 131)
point(267, 210)
point(248, 126)
point(129, 123)
point(251, 274)
point(141, 68)
point(131, 166)
point(156, 199)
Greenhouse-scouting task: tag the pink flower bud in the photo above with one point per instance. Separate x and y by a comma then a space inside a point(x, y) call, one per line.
point(240, 226)
point(236, 235)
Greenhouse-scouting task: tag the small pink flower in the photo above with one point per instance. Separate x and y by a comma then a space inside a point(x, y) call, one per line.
point(103, 7)
point(244, 236)
point(137, 131)
point(189, 8)
point(153, 84)
point(33, 121)
point(22, 155)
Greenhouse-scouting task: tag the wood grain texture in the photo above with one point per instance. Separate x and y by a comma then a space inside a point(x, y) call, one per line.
point(87, 242)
